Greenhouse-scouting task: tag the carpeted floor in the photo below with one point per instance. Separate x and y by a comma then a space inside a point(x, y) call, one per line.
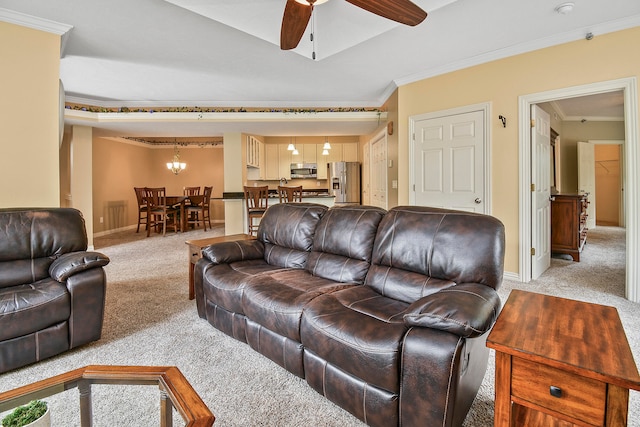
point(150, 321)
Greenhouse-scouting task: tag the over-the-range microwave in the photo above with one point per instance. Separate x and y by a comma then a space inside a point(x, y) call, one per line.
point(304, 170)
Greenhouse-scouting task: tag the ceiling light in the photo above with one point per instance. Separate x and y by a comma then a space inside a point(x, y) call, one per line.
point(295, 152)
point(176, 166)
point(565, 8)
point(291, 147)
point(325, 152)
point(326, 145)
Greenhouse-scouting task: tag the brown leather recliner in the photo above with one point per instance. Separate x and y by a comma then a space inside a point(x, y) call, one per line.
point(52, 290)
point(384, 313)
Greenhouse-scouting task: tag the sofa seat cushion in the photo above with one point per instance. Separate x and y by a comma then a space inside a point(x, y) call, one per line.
point(359, 331)
point(25, 309)
point(224, 283)
point(276, 300)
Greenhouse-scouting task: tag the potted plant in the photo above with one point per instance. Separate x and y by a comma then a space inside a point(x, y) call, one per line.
point(33, 414)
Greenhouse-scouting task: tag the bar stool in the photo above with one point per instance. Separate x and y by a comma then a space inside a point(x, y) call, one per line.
point(290, 194)
point(256, 200)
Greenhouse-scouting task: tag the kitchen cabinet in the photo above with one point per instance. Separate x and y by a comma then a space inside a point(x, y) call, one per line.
point(350, 152)
point(308, 153)
point(284, 161)
point(569, 224)
point(254, 147)
point(271, 162)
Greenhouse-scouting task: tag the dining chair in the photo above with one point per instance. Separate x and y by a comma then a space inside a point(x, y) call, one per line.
point(191, 191)
point(158, 212)
point(256, 201)
point(199, 207)
point(142, 207)
point(290, 194)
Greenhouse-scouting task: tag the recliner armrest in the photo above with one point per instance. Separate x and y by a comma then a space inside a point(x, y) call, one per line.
point(468, 310)
point(74, 262)
point(228, 252)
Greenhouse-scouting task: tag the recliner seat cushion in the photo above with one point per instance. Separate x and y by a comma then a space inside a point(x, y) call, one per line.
point(359, 331)
point(25, 309)
point(276, 300)
point(225, 283)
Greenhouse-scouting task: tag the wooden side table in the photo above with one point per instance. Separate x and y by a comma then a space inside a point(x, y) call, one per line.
point(560, 362)
point(195, 252)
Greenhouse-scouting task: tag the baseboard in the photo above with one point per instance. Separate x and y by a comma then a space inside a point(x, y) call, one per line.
point(508, 275)
point(133, 227)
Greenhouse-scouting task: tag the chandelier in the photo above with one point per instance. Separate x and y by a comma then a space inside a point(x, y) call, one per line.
point(176, 166)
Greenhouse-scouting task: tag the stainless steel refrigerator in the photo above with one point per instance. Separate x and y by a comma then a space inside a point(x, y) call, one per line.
point(344, 181)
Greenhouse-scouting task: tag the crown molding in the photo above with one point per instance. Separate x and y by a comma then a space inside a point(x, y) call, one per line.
point(41, 24)
point(570, 36)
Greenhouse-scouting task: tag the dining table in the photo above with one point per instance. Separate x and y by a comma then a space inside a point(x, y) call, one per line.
point(182, 202)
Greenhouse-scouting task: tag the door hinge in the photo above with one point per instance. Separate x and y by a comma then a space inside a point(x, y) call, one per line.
point(533, 187)
point(533, 251)
point(533, 123)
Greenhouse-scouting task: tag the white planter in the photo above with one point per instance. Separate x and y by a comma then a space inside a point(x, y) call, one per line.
point(43, 421)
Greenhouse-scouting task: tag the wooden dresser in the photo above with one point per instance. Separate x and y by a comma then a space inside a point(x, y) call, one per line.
point(569, 224)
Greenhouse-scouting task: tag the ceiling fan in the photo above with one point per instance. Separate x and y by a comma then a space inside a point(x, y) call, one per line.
point(298, 12)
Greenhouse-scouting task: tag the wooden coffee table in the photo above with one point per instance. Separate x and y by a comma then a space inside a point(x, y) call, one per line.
point(195, 252)
point(175, 391)
point(560, 362)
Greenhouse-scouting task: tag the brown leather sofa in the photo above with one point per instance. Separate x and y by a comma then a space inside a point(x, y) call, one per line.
point(384, 313)
point(51, 289)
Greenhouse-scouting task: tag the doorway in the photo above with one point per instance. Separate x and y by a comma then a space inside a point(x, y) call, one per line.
point(631, 157)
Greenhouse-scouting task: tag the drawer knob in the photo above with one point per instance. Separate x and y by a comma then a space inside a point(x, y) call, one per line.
point(555, 391)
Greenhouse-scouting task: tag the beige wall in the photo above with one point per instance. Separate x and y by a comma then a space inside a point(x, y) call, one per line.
point(118, 167)
point(29, 117)
point(501, 82)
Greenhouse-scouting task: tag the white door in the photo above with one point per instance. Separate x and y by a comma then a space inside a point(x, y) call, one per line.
point(540, 191)
point(378, 180)
point(587, 178)
point(448, 158)
point(366, 178)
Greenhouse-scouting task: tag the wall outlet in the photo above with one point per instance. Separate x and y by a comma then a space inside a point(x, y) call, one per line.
point(101, 220)
point(394, 183)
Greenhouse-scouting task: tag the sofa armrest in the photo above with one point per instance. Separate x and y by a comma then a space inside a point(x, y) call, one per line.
point(228, 252)
point(74, 262)
point(468, 310)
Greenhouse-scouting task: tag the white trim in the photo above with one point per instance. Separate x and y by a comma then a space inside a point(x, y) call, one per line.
point(632, 160)
point(36, 23)
point(485, 108)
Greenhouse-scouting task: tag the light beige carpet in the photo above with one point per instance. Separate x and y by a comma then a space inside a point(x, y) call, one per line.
point(150, 321)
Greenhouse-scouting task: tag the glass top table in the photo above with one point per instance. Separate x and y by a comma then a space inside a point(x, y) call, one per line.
point(175, 391)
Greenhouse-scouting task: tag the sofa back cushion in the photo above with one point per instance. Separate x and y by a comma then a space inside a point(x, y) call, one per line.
point(420, 250)
point(287, 232)
point(30, 239)
point(343, 243)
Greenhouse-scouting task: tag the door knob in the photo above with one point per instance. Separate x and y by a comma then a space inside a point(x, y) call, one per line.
point(478, 200)
point(552, 199)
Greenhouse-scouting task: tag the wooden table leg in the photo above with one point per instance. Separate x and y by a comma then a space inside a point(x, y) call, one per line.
point(502, 412)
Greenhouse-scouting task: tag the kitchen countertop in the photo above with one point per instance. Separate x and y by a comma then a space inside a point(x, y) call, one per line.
point(306, 194)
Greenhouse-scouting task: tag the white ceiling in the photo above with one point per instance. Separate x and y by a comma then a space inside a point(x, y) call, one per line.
point(225, 53)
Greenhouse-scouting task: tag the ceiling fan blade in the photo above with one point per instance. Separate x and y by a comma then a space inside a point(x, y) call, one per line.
point(402, 11)
point(294, 22)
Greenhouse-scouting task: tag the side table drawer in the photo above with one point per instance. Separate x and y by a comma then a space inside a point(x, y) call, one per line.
point(580, 398)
